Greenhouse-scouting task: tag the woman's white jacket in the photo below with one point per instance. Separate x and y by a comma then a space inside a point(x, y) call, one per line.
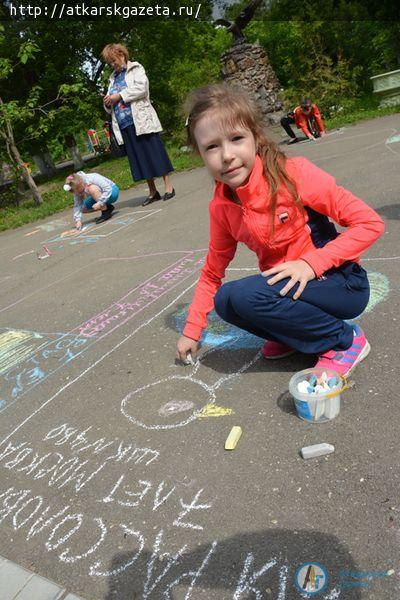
point(137, 95)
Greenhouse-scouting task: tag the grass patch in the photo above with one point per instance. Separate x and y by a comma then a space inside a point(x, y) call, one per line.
point(28, 212)
point(353, 110)
point(55, 199)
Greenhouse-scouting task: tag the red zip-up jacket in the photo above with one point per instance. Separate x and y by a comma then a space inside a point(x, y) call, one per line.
point(301, 119)
point(309, 236)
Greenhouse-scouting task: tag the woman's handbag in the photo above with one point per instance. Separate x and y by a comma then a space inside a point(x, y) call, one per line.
point(116, 150)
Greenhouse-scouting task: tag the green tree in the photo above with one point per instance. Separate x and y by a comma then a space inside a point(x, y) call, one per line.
point(12, 112)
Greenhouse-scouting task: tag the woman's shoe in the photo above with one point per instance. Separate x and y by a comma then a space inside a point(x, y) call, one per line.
point(151, 199)
point(169, 195)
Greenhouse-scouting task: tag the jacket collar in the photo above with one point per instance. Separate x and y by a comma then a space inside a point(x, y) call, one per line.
point(254, 194)
point(131, 64)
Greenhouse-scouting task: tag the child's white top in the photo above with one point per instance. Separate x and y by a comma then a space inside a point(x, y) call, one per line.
point(105, 185)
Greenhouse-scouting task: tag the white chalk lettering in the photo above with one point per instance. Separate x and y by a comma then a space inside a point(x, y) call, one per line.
point(43, 472)
point(36, 461)
point(187, 508)
point(81, 478)
point(10, 448)
point(78, 522)
point(17, 525)
point(171, 561)
point(158, 499)
point(79, 443)
point(21, 455)
point(93, 569)
point(129, 493)
point(67, 558)
point(39, 525)
point(193, 575)
point(247, 580)
point(62, 431)
point(140, 453)
point(9, 495)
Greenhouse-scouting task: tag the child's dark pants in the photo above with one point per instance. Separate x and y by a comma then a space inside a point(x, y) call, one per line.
point(286, 122)
point(312, 324)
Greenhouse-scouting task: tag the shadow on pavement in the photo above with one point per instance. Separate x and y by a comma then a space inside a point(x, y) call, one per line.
point(225, 570)
point(390, 211)
point(132, 202)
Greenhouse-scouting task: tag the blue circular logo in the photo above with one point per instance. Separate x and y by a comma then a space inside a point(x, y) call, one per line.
point(311, 578)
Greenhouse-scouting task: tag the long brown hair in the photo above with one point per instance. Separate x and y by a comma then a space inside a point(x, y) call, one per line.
point(236, 107)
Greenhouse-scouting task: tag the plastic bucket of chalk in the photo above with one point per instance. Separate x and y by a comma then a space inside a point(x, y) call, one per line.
point(316, 394)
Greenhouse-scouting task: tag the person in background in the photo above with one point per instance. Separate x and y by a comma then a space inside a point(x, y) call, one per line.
point(135, 122)
point(92, 192)
point(307, 118)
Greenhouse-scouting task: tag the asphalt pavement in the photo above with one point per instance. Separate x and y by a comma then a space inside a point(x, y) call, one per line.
point(115, 483)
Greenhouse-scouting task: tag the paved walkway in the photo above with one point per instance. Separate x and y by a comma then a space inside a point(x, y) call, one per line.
point(114, 479)
point(17, 583)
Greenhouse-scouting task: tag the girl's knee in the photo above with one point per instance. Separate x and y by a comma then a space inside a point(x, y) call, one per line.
point(246, 300)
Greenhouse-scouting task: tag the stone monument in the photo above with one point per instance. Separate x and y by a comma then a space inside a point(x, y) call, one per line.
point(247, 66)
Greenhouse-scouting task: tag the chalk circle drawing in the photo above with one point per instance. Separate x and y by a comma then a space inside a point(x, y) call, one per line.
point(178, 386)
point(143, 401)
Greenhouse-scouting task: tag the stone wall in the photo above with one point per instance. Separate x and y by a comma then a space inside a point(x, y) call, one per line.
point(247, 66)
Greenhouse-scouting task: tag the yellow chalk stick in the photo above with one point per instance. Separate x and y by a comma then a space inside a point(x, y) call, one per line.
point(233, 438)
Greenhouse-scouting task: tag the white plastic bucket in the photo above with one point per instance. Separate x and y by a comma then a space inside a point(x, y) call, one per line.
point(317, 408)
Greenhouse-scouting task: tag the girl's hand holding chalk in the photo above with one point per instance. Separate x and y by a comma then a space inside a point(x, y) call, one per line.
point(186, 348)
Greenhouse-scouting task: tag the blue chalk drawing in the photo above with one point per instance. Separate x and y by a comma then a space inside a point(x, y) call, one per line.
point(220, 333)
point(394, 139)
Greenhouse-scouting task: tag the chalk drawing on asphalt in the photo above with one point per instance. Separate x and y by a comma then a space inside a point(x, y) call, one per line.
point(58, 349)
point(92, 233)
point(140, 406)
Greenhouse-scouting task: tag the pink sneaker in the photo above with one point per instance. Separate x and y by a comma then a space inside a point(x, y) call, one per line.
point(273, 350)
point(344, 361)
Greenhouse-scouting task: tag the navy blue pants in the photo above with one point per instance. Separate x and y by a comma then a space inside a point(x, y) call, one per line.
point(312, 324)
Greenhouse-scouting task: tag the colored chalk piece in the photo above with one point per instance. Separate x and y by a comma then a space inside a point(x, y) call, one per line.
point(233, 438)
point(313, 380)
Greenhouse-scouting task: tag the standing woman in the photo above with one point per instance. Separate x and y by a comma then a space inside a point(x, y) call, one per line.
point(135, 122)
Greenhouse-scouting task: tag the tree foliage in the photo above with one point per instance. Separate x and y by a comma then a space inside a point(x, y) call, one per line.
point(327, 49)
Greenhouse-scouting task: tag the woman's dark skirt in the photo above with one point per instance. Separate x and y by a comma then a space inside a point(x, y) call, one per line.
point(146, 154)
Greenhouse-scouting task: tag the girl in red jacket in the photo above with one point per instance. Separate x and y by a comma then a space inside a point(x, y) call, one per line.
point(310, 279)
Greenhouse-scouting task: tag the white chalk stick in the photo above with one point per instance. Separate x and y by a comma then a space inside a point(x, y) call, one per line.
point(317, 450)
